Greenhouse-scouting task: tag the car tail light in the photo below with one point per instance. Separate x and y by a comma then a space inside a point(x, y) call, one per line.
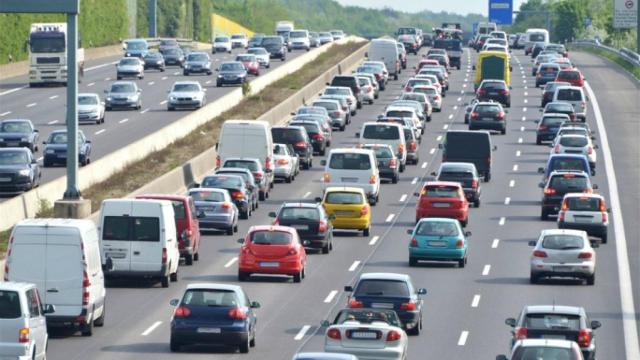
point(540, 254)
point(590, 150)
point(164, 256)
point(585, 255)
point(237, 314)
point(393, 336)
point(23, 335)
point(372, 179)
point(561, 215)
point(218, 161)
point(300, 144)
point(588, 191)
point(411, 305)
point(437, 97)
point(237, 195)
point(282, 162)
point(334, 334)
point(182, 312)
point(344, 107)
point(459, 244)
point(364, 210)
point(474, 184)
point(322, 226)
point(549, 191)
point(414, 242)
point(413, 145)
point(542, 127)
point(353, 303)
point(337, 113)
point(258, 174)
point(481, 91)
point(503, 92)
point(393, 162)
point(407, 88)
point(475, 114)
point(369, 88)
point(584, 338)
point(400, 148)
point(557, 149)
point(326, 177)
point(349, 101)
point(292, 252)
point(584, 104)
point(377, 76)
point(318, 137)
point(500, 116)
point(226, 205)
point(539, 74)
point(521, 333)
point(187, 234)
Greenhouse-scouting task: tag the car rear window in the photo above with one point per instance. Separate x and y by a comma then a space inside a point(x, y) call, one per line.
point(562, 242)
point(569, 95)
point(553, 322)
point(572, 75)
point(549, 121)
point(416, 82)
point(399, 113)
point(299, 213)
point(437, 228)
point(210, 298)
point(363, 316)
point(348, 81)
point(9, 305)
point(425, 90)
point(248, 178)
point(251, 165)
point(559, 108)
point(488, 108)
point(344, 198)
point(213, 196)
point(493, 85)
point(349, 161)
point(382, 152)
point(271, 238)
point(568, 183)
point(544, 352)
point(286, 135)
point(583, 203)
point(381, 132)
point(567, 164)
point(573, 141)
point(374, 287)
point(337, 91)
point(131, 228)
point(221, 182)
point(311, 128)
point(437, 191)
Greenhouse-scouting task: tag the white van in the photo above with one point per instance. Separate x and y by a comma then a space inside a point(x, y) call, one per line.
point(385, 133)
point(353, 168)
point(299, 39)
point(575, 96)
point(139, 239)
point(62, 257)
point(533, 36)
point(246, 139)
point(485, 28)
point(386, 50)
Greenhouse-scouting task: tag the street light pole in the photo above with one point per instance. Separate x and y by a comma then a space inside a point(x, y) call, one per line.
point(153, 4)
point(72, 193)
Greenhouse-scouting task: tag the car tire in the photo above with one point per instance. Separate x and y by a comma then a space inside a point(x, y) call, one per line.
point(229, 231)
point(87, 329)
point(591, 280)
point(297, 277)
point(395, 178)
point(174, 346)
point(170, 108)
point(262, 196)
point(533, 278)
point(185, 73)
point(288, 179)
point(487, 176)
point(99, 322)
point(359, 105)
point(242, 276)
point(476, 203)
point(174, 276)
point(164, 281)
point(413, 261)
point(603, 237)
point(416, 330)
point(244, 215)
point(108, 108)
point(343, 127)
point(188, 259)
point(196, 256)
point(462, 263)
point(503, 131)
point(323, 152)
point(544, 215)
point(464, 222)
point(402, 167)
point(366, 232)
point(244, 347)
point(327, 248)
point(538, 141)
point(395, 76)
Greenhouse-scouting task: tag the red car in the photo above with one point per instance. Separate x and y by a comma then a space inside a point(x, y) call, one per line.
point(442, 199)
point(272, 249)
point(250, 62)
point(187, 225)
point(424, 62)
point(572, 76)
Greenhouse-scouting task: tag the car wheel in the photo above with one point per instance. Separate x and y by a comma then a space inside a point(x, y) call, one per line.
point(244, 215)
point(487, 176)
point(326, 248)
point(244, 347)
point(476, 203)
point(413, 261)
point(185, 73)
point(174, 276)
point(603, 237)
point(416, 330)
point(538, 141)
point(462, 262)
point(288, 179)
point(87, 329)
point(359, 105)
point(262, 196)
point(108, 108)
point(252, 342)
point(544, 215)
point(366, 232)
point(402, 167)
point(196, 256)
point(464, 222)
point(591, 280)
point(242, 276)
point(165, 281)
point(99, 322)
point(394, 180)
point(297, 277)
point(533, 278)
point(503, 131)
point(395, 77)
point(323, 152)
point(342, 127)
point(188, 259)
point(230, 231)
point(174, 346)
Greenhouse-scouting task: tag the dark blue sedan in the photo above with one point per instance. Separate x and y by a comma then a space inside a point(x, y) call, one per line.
point(55, 149)
point(213, 314)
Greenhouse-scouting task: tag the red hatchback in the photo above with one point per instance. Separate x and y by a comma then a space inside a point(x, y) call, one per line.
point(250, 62)
point(187, 225)
point(274, 250)
point(442, 199)
point(572, 76)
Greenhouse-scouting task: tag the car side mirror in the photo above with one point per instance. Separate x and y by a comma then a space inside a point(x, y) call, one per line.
point(105, 91)
point(473, 67)
point(536, 121)
point(595, 186)
point(139, 91)
point(174, 302)
point(195, 185)
point(292, 114)
point(595, 243)
point(541, 185)
point(495, 147)
point(325, 323)
point(328, 84)
point(540, 170)
point(410, 231)
point(532, 243)
point(467, 233)
point(272, 214)
point(609, 210)
point(36, 130)
point(593, 138)
point(540, 110)
point(348, 288)
point(240, 241)
point(323, 162)
point(357, 134)
point(318, 199)
point(254, 305)
point(434, 173)
point(217, 69)
point(50, 309)
point(217, 146)
point(416, 194)
point(34, 161)
point(595, 324)
point(88, 141)
point(596, 147)
point(511, 322)
point(422, 291)
point(366, 54)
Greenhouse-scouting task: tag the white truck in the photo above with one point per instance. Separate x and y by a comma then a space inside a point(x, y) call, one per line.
point(48, 54)
point(284, 27)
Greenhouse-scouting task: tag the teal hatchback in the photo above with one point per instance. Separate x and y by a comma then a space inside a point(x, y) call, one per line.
point(438, 239)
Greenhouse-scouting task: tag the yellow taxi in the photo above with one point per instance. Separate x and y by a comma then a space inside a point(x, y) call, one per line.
point(347, 208)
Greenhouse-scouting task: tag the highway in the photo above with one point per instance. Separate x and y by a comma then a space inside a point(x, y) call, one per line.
point(45, 106)
point(465, 308)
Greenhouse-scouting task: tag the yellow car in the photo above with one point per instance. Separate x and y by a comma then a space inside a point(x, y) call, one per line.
point(348, 208)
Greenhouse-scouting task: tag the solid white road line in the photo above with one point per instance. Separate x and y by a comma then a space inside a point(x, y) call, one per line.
point(424, 165)
point(100, 66)
point(390, 218)
point(53, 97)
point(99, 132)
point(5, 113)
point(374, 240)
point(331, 295)
point(433, 150)
point(463, 338)
point(502, 221)
point(494, 244)
point(151, 328)
point(354, 266)
point(231, 262)
point(515, 167)
point(507, 200)
point(629, 326)
point(512, 183)
point(403, 197)
point(32, 105)
point(302, 333)
point(208, 82)
point(306, 194)
point(414, 181)
point(123, 121)
point(486, 269)
point(52, 122)
point(475, 301)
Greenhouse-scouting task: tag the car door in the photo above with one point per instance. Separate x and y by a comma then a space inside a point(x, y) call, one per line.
point(37, 321)
point(64, 271)
point(146, 238)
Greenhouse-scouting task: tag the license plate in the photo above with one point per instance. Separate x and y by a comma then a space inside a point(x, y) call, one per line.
point(382, 305)
point(558, 337)
point(438, 243)
point(13, 144)
point(271, 264)
point(115, 255)
point(209, 213)
point(441, 205)
point(62, 156)
point(583, 219)
point(300, 227)
point(5, 179)
point(209, 330)
point(363, 335)
point(343, 212)
point(562, 268)
point(493, 93)
point(349, 179)
point(487, 118)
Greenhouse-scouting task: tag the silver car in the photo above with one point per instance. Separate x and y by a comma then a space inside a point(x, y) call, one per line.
point(90, 108)
point(575, 144)
point(130, 67)
point(262, 55)
point(197, 63)
point(563, 253)
point(215, 209)
point(337, 114)
point(123, 94)
point(344, 92)
point(287, 162)
point(323, 356)
point(186, 95)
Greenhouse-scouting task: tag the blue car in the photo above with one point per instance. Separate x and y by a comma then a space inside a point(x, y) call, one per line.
point(565, 162)
point(55, 149)
point(213, 314)
point(438, 239)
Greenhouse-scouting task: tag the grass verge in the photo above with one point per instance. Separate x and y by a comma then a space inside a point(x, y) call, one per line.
point(204, 137)
point(634, 70)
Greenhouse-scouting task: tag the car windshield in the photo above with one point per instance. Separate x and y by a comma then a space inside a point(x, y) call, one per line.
point(414, 96)
point(569, 183)
point(311, 110)
point(248, 178)
point(375, 287)
point(543, 352)
point(57, 138)
point(271, 238)
point(122, 88)
point(210, 298)
point(399, 113)
point(171, 51)
point(297, 34)
point(204, 195)
point(222, 182)
point(493, 85)
point(221, 39)
point(325, 34)
point(426, 90)
point(279, 149)
point(271, 41)
point(13, 158)
point(437, 228)
point(186, 87)
point(440, 191)
point(562, 242)
point(9, 305)
point(153, 55)
point(136, 46)
point(349, 161)
point(237, 36)
point(245, 58)
point(415, 82)
point(251, 165)
point(197, 57)
point(129, 61)
point(15, 127)
point(367, 316)
point(168, 42)
point(87, 100)
point(344, 198)
point(574, 141)
point(381, 132)
point(231, 67)
point(584, 203)
point(299, 213)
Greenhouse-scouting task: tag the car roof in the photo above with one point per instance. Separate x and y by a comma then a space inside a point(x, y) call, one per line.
point(575, 135)
point(324, 356)
point(256, 228)
point(583, 195)
point(343, 189)
point(242, 159)
point(163, 196)
point(214, 286)
point(186, 82)
point(233, 169)
point(564, 344)
point(563, 232)
point(564, 172)
point(123, 83)
point(554, 309)
point(385, 276)
point(88, 94)
point(15, 286)
point(208, 189)
point(442, 183)
point(555, 115)
point(458, 166)
point(309, 205)
point(438, 219)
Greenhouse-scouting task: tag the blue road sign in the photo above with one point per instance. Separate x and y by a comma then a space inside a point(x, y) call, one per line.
point(501, 12)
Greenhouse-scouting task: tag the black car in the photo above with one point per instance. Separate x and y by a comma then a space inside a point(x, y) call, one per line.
point(231, 72)
point(496, 90)
point(388, 164)
point(537, 49)
point(154, 60)
point(19, 170)
point(173, 56)
point(237, 188)
point(310, 220)
point(249, 181)
point(548, 126)
point(556, 321)
point(255, 41)
point(55, 149)
point(298, 138)
point(465, 174)
point(350, 82)
point(315, 133)
point(488, 116)
point(559, 184)
point(18, 133)
point(468, 109)
point(168, 44)
point(550, 89)
point(276, 47)
point(560, 107)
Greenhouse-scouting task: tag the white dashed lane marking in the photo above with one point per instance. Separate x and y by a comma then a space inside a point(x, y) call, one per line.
point(390, 217)
point(52, 122)
point(374, 240)
point(331, 295)
point(475, 301)
point(99, 132)
point(231, 262)
point(486, 270)
point(151, 328)
point(414, 181)
point(502, 221)
point(354, 266)
point(507, 200)
point(424, 165)
point(463, 338)
point(403, 198)
point(515, 167)
point(300, 335)
point(494, 244)
point(32, 105)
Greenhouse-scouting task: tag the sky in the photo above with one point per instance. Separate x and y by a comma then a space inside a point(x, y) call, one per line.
point(456, 6)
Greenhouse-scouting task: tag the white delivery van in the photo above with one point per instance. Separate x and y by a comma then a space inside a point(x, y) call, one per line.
point(533, 36)
point(139, 239)
point(485, 28)
point(575, 96)
point(385, 133)
point(387, 51)
point(353, 168)
point(62, 257)
point(246, 139)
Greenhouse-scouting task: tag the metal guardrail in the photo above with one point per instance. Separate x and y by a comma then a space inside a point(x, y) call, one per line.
point(630, 56)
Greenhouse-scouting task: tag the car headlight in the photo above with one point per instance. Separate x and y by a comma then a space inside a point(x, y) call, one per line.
point(186, 66)
point(24, 172)
point(127, 54)
point(172, 98)
point(131, 98)
point(108, 98)
point(24, 139)
point(50, 151)
point(220, 76)
point(159, 62)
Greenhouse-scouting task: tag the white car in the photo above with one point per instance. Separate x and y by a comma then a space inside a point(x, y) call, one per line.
point(221, 44)
point(345, 92)
point(434, 96)
point(368, 91)
point(337, 34)
point(262, 55)
point(544, 349)
point(575, 144)
point(299, 39)
point(23, 326)
point(239, 41)
point(563, 253)
point(130, 67)
point(287, 162)
point(186, 94)
point(587, 212)
point(367, 334)
point(90, 108)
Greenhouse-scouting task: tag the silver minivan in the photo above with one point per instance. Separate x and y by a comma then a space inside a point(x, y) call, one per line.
point(353, 168)
point(385, 133)
point(575, 96)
